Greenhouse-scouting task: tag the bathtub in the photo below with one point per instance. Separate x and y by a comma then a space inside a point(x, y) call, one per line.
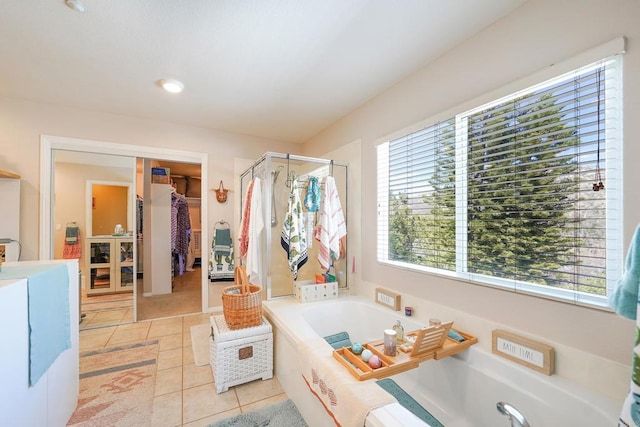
point(460, 390)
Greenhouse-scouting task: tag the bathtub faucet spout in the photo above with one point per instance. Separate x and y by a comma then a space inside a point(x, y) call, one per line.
point(515, 416)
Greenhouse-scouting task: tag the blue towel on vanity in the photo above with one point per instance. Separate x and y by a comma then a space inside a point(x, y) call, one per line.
point(624, 299)
point(49, 328)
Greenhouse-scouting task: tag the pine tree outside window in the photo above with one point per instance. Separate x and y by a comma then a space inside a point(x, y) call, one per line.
point(521, 193)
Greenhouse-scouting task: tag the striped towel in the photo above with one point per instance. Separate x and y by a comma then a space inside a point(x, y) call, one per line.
point(331, 226)
point(244, 225)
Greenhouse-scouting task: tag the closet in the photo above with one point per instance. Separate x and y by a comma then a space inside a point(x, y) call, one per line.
point(171, 230)
point(189, 187)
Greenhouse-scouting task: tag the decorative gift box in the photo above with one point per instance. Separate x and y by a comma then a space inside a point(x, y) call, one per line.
point(308, 291)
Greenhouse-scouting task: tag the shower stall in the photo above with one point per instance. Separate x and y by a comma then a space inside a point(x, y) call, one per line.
point(277, 172)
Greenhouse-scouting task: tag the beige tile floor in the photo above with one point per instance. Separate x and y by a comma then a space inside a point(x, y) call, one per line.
point(184, 393)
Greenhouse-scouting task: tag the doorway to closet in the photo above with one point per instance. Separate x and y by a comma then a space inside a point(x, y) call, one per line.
point(179, 289)
point(122, 307)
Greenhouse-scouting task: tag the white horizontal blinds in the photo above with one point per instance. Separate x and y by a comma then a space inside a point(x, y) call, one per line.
point(383, 201)
point(421, 189)
point(532, 214)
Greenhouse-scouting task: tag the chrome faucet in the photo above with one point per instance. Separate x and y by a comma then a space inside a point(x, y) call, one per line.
point(515, 416)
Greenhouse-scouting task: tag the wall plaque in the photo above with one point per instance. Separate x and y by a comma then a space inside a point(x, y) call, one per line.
point(526, 352)
point(388, 299)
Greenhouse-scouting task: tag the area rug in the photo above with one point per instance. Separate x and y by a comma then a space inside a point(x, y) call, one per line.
point(282, 414)
point(200, 343)
point(116, 386)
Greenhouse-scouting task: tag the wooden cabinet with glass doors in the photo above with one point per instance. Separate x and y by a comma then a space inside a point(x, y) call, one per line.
point(109, 265)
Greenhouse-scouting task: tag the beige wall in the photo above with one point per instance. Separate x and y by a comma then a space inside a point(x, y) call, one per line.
point(533, 38)
point(22, 123)
point(109, 208)
point(71, 199)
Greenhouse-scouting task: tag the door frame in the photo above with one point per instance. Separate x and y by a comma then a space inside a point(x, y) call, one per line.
point(49, 143)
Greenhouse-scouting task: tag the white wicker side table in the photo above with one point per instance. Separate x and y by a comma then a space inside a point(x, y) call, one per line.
point(240, 355)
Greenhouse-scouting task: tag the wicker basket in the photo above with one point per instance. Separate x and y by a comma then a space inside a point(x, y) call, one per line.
point(242, 302)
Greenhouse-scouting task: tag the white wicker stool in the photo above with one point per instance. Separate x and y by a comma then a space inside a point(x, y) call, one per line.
point(240, 355)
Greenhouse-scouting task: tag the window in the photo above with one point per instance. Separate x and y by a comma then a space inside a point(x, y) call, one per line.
point(522, 193)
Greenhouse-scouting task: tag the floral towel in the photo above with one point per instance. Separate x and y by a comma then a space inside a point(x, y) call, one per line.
point(293, 237)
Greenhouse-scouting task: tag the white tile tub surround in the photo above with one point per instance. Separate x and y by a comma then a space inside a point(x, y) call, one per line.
point(460, 390)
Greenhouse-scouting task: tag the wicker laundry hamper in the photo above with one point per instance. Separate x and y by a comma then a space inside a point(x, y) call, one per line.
point(242, 302)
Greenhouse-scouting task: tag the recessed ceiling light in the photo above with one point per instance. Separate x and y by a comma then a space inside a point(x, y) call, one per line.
point(76, 5)
point(172, 85)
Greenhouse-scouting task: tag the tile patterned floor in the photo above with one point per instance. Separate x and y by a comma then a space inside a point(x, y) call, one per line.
point(184, 393)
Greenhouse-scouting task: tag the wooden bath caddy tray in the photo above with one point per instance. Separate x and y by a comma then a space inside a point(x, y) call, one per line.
point(431, 343)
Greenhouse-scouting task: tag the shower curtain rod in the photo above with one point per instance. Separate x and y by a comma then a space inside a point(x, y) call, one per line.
point(289, 157)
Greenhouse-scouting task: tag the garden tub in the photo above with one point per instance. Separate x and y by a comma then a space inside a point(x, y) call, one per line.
point(459, 391)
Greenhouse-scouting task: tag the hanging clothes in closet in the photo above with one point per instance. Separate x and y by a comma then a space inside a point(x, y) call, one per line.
point(139, 215)
point(180, 229)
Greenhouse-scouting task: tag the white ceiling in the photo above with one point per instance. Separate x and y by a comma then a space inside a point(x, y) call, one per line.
point(279, 69)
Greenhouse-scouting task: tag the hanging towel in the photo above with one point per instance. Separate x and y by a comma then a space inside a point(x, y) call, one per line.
point(71, 234)
point(222, 242)
point(624, 301)
point(254, 244)
point(312, 204)
point(331, 226)
point(221, 261)
point(293, 237)
point(312, 199)
point(244, 223)
point(72, 248)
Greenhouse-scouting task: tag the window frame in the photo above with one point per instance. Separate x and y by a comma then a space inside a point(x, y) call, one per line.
point(614, 205)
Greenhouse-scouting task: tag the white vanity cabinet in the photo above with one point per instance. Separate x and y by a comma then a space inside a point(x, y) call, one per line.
point(109, 265)
point(49, 402)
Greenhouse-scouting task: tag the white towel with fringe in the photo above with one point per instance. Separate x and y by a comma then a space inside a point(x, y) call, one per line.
point(331, 225)
point(347, 400)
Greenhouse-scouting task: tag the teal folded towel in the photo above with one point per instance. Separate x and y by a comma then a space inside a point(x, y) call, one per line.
point(403, 398)
point(49, 327)
point(453, 334)
point(624, 299)
point(339, 340)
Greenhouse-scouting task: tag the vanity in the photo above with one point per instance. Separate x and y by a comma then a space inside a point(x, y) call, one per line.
point(49, 397)
point(109, 264)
